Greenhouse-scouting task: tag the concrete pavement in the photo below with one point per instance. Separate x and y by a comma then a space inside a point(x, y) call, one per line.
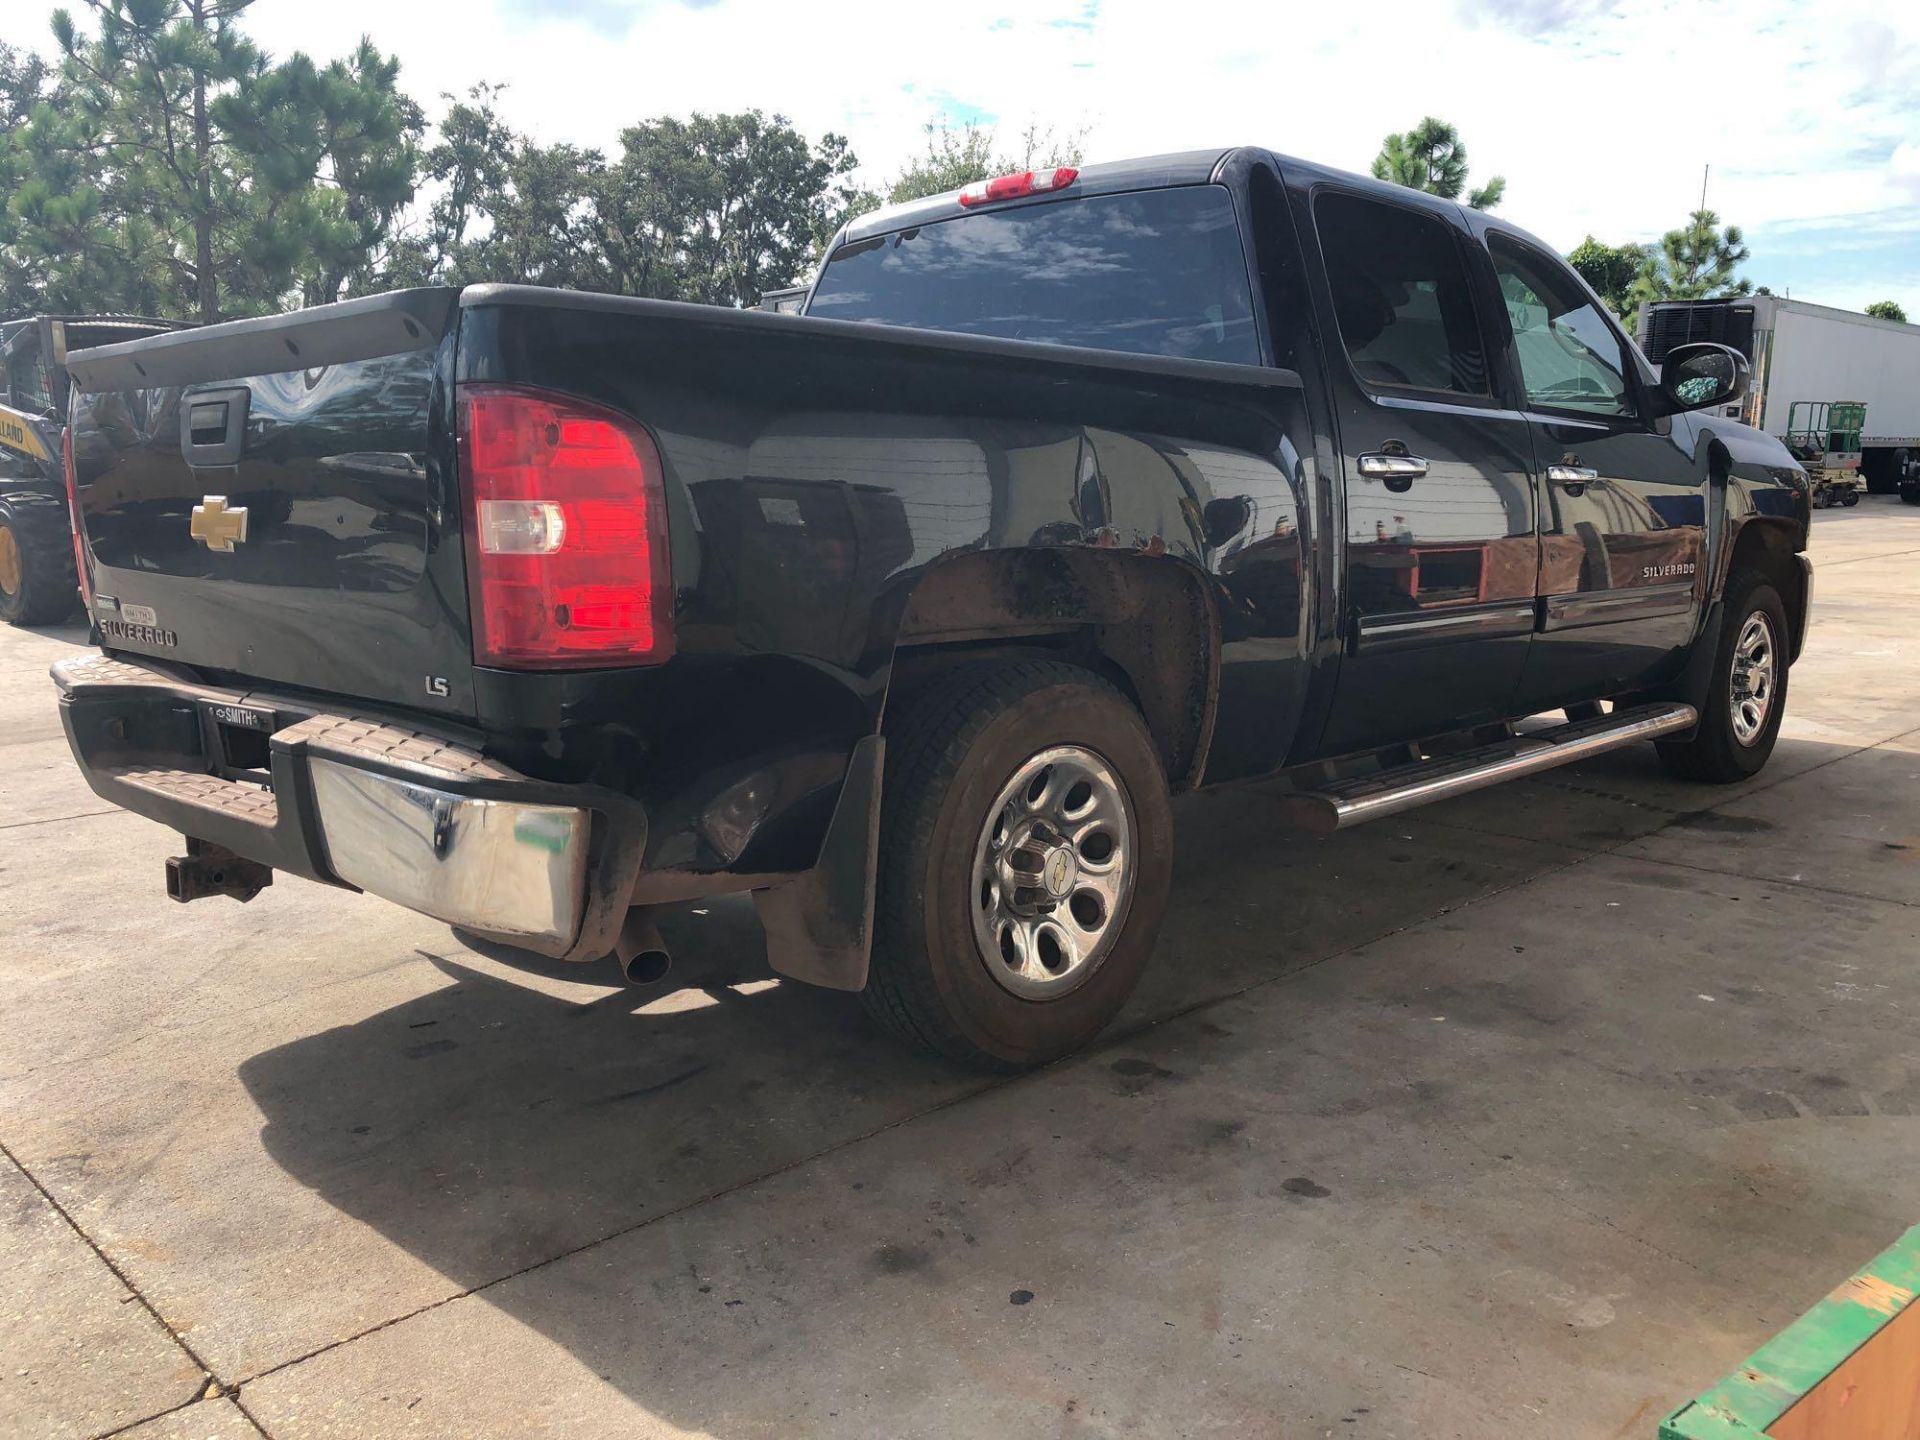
point(1539, 1109)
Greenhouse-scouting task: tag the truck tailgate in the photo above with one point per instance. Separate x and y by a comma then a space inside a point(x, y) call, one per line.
point(272, 499)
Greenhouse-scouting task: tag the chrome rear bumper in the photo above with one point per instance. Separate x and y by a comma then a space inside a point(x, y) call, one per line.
point(495, 865)
point(416, 818)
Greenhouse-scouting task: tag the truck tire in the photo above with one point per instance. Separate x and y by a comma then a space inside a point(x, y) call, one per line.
point(37, 581)
point(997, 773)
point(1747, 692)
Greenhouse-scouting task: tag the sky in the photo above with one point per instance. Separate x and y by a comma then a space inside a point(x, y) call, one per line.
point(1601, 114)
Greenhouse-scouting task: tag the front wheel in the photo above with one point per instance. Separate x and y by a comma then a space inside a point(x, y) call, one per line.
point(1850, 498)
point(1025, 857)
point(1747, 694)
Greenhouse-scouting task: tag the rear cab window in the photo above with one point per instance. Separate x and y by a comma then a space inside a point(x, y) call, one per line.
point(1149, 272)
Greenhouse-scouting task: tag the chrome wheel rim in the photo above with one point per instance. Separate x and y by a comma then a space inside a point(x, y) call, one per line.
point(1053, 873)
point(1756, 664)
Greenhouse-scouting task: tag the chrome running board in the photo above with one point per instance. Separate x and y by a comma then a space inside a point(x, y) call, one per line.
point(1346, 803)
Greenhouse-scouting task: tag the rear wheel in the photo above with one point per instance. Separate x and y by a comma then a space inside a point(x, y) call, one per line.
point(37, 581)
point(1747, 695)
point(1025, 855)
point(1850, 497)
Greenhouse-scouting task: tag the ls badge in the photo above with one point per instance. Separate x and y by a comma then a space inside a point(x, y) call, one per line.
point(217, 527)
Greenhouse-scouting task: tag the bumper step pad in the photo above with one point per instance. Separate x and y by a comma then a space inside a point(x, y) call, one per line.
point(351, 737)
point(237, 799)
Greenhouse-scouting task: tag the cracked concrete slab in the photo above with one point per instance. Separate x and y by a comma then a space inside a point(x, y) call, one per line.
point(207, 1420)
point(1833, 828)
point(1494, 1173)
point(235, 1089)
point(1479, 1123)
point(82, 1355)
point(38, 783)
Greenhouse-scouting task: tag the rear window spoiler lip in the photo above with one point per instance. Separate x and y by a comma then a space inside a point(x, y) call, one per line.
point(365, 328)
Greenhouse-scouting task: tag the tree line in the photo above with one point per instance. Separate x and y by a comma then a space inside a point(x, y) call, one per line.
point(163, 164)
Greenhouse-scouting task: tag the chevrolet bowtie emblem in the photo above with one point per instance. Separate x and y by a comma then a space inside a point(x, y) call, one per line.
point(217, 527)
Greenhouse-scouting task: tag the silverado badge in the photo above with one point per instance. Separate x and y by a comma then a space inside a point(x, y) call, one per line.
point(217, 527)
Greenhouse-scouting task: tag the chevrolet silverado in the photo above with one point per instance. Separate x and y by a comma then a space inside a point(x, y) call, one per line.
point(536, 611)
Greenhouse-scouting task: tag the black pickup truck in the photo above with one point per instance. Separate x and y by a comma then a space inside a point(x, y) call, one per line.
point(535, 611)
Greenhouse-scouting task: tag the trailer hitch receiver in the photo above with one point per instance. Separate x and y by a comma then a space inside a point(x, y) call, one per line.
point(212, 870)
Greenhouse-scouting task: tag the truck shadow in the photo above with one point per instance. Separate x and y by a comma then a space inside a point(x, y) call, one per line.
point(518, 1114)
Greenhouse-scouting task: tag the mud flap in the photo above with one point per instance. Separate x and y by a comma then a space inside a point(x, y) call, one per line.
point(820, 927)
point(1697, 679)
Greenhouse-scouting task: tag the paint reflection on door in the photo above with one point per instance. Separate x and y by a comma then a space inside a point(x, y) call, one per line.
point(1622, 501)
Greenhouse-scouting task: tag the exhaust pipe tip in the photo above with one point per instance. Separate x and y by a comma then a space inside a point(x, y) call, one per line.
point(642, 954)
point(646, 967)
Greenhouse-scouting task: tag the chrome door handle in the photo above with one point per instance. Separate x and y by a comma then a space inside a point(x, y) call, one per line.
point(1574, 479)
point(1399, 471)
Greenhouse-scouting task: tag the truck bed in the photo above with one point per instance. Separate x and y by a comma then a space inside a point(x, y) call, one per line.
point(814, 470)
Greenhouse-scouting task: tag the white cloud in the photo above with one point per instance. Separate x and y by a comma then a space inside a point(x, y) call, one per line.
point(1600, 113)
point(1903, 168)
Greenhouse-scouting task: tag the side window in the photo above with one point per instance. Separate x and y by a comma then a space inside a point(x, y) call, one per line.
point(1400, 293)
point(1570, 358)
point(27, 381)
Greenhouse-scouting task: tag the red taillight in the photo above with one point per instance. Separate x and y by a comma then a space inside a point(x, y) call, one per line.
point(73, 520)
point(1012, 187)
point(566, 532)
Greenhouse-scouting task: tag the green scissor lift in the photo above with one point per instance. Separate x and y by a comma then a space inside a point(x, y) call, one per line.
point(1849, 1369)
point(1824, 436)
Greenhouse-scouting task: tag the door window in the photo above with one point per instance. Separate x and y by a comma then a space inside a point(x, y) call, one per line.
point(1570, 358)
point(1400, 294)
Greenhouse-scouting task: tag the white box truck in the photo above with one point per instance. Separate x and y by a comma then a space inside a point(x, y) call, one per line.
point(1804, 352)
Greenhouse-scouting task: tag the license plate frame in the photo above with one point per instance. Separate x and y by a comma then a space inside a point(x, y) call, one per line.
point(240, 717)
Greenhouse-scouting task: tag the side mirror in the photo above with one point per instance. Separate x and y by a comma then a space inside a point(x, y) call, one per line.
point(1693, 377)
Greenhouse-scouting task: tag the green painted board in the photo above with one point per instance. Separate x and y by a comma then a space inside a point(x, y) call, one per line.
point(1771, 1382)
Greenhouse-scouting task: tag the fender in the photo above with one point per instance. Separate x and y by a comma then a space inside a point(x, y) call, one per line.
point(1759, 498)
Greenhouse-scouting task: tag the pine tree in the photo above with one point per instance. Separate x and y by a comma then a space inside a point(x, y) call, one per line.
point(1695, 262)
point(233, 182)
point(1431, 157)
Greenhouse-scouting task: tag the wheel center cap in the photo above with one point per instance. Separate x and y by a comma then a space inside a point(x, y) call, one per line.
point(1059, 873)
